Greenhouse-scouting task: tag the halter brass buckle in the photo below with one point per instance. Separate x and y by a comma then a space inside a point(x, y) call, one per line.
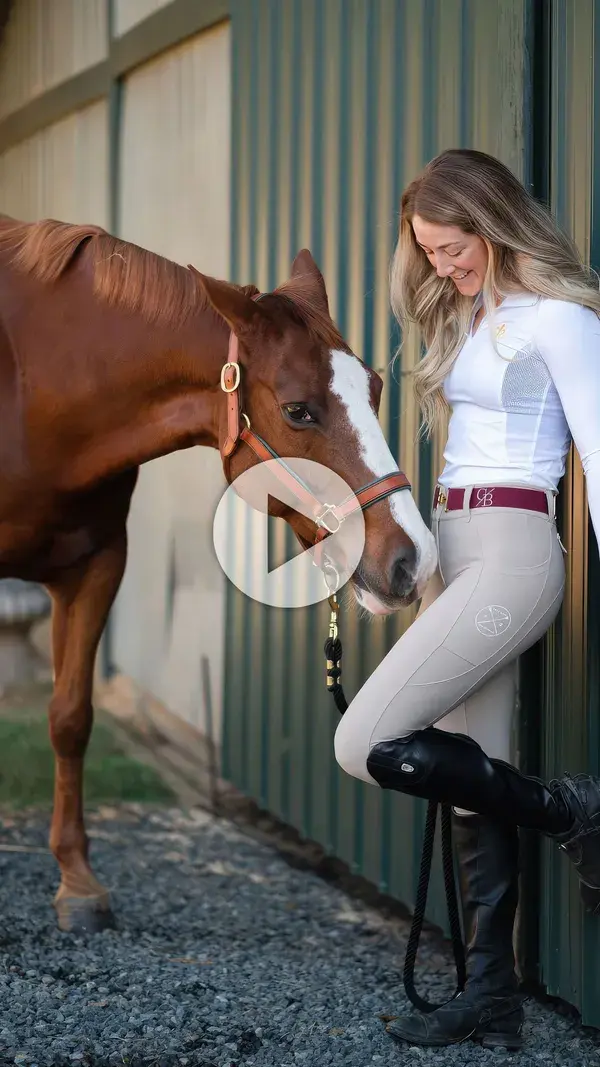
point(237, 377)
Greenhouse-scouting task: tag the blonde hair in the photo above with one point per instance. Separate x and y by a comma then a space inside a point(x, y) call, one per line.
point(527, 252)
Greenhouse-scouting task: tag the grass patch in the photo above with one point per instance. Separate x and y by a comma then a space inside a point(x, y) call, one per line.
point(27, 769)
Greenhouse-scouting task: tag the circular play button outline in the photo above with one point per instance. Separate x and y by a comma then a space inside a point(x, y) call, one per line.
point(241, 534)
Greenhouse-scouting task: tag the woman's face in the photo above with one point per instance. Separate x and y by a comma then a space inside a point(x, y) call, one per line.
point(454, 254)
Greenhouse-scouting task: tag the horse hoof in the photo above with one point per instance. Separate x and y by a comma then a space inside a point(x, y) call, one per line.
point(84, 915)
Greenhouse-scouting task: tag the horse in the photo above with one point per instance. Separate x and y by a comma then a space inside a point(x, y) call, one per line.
point(111, 356)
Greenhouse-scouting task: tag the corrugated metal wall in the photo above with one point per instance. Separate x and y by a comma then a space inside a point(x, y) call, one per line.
point(338, 106)
point(174, 165)
point(47, 41)
point(570, 940)
point(61, 172)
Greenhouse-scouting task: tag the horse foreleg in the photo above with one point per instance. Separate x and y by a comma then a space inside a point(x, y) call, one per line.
point(81, 602)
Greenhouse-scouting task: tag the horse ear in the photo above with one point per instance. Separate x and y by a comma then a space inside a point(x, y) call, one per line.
point(305, 270)
point(232, 302)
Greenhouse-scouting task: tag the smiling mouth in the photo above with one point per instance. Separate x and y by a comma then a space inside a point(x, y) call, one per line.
point(460, 277)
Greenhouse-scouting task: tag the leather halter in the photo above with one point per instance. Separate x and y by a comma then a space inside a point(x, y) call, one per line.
point(327, 517)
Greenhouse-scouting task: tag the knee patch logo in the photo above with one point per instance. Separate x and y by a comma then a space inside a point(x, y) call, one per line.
point(493, 620)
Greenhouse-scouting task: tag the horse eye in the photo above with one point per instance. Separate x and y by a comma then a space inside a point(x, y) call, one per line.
point(298, 413)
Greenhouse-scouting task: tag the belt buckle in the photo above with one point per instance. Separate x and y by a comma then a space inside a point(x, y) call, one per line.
point(235, 367)
point(442, 498)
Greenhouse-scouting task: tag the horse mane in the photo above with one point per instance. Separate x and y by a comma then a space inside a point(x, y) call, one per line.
point(131, 277)
point(125, 275)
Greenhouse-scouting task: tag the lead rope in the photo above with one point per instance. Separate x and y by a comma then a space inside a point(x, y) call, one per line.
point(333, 656)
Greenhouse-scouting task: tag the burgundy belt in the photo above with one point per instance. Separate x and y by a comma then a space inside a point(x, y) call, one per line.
point(492, 496)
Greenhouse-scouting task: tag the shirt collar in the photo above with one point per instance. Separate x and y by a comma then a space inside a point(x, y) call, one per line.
point(514, 300)
point(518, 300)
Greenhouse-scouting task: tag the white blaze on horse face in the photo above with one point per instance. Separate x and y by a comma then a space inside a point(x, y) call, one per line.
point(350, 383)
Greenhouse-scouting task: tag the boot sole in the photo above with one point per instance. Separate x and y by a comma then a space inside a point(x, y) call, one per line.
point(488, 1039)
point(512, 1042)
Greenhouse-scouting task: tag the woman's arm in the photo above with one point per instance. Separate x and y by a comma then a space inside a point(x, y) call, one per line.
point(568, 339)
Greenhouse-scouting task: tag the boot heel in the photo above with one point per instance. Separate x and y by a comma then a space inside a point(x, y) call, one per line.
point(505, 1033)
point(512, 1042)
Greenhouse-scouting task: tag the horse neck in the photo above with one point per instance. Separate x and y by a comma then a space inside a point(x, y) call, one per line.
point(157, 392)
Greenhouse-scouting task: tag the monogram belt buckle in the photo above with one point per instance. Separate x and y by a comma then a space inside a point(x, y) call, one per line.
point(484, 498)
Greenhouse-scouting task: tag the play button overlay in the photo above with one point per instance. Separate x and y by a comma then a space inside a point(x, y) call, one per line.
point(250, 544)
point(282, 545)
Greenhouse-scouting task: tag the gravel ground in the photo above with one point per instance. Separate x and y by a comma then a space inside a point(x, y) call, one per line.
point(224, 955)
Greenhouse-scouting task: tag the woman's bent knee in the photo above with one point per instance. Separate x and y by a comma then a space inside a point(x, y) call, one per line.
point(351, 746)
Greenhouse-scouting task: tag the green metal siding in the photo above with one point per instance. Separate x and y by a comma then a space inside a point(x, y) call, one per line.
point(569, 939)
point(337, 106)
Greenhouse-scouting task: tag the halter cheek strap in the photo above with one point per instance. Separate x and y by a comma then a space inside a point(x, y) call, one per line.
point(230, 384)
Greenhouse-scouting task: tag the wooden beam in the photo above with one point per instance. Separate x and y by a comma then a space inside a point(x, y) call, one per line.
point(167, 27)
point(55, 104)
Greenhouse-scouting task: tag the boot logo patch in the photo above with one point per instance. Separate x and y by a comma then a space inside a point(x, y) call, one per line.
point(408, 767)
point(493, 620)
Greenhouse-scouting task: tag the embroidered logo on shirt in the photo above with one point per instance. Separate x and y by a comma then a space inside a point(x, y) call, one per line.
point(493, 620)
point(501, 329)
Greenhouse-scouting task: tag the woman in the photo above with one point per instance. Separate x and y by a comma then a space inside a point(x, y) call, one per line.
point(510, 318)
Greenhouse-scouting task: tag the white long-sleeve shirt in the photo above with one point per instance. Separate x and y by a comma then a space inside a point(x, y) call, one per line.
point(515, 410)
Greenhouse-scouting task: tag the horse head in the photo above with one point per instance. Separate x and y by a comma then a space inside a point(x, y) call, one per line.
point(307, 395)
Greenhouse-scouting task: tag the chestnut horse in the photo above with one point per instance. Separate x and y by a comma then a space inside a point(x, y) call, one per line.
point(111, 356)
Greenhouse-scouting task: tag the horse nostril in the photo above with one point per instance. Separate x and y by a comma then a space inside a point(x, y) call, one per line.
point(403, 568)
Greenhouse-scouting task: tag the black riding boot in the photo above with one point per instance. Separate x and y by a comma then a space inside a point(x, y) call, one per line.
point(490, 1008)
point(453, 769)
